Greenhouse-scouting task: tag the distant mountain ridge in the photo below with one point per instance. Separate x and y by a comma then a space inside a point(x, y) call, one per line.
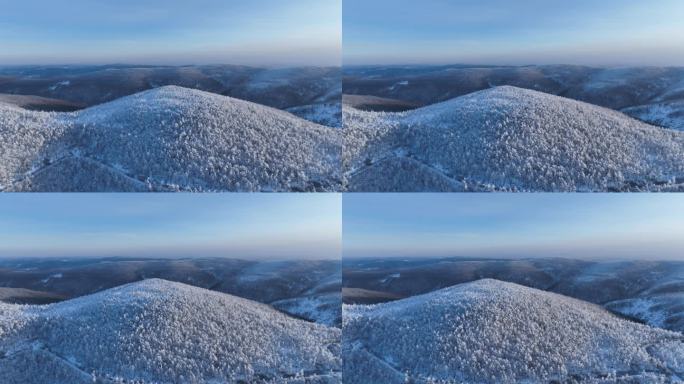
point(313, 93)
point(39, 103)
point(91, 85)
point(27, 296)
point(652, 94)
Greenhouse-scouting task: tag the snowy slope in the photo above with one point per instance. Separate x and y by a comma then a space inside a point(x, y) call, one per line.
point(308, 289)
point(666, 114)
point(169, 138)
point(325, 114)
point(321, 303)
point(161, 332)
point(489, 331)
point(321, 308)
point(507, 138)
point(662, 310)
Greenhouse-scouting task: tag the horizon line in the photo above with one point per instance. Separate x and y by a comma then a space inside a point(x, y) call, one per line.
point(466, 65)
point(75, 257)
point(509, 258)
point(260, 66)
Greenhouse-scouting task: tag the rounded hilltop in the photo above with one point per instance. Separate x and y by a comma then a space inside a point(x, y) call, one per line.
point(508, 138)
point(491, 331)
point(168, 138)
point(158, 331)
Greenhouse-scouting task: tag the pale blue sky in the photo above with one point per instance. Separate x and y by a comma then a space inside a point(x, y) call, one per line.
point(591, 226)
point(254, 32)
point(268, 226)
point(590, 32)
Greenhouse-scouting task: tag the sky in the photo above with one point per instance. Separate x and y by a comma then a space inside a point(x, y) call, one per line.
point(249, 226)
point(176, 32)
point(520, 32)
point(582, 226)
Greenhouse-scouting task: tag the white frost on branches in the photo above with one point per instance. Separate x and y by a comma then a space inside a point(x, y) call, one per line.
point(489, 331)
point(507, 138)
point(156, 331)
point(169, 138)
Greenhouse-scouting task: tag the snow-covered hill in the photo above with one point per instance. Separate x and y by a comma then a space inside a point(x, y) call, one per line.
point(489, 331)
point(507, 138)
point(169, 138)
point(156, 331)
point(649, 291)
point(308, 289)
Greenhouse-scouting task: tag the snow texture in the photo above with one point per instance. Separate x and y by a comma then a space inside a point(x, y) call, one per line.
point(322, 308)
point(663, 310)
point(510, 139)
point(168, 139)
point(324, 114)
point(156, 331)
point(489, 331)
point(666, 114)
